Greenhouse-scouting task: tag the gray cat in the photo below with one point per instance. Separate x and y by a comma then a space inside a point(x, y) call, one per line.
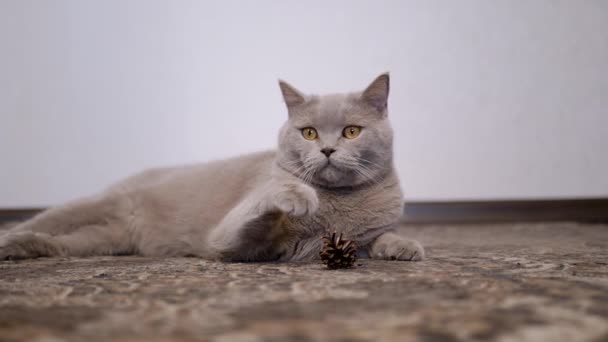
point(333, 171)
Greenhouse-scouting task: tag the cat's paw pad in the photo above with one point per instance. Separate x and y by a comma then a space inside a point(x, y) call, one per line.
point(296, 199)
point(399, 249)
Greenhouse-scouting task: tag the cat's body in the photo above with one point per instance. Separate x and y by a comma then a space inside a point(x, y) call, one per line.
point(258, 207)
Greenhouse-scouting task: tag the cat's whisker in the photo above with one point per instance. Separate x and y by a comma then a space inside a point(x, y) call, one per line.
point(291, 162)
point(309, 175)
point(360, 167)
point(367, 175)
point(300, 170)
point(369, 162)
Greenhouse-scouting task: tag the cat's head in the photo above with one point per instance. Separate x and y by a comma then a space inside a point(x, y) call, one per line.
point(340, 140)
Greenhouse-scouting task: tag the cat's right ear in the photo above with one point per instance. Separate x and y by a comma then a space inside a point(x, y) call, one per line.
point(291, 95)
point(376, 93)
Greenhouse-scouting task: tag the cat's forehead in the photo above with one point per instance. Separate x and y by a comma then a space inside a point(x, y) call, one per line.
point(333, 109)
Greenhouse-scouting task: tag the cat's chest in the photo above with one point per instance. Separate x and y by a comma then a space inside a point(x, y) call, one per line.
point(354, 214)
point(335, 208)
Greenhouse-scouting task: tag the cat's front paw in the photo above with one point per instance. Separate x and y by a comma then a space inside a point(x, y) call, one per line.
point(390, 246)
point(295, 199)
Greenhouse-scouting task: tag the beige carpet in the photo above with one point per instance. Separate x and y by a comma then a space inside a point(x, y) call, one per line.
point(512, 282)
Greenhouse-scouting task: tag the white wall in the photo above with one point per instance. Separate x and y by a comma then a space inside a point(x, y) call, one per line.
point(490, 99)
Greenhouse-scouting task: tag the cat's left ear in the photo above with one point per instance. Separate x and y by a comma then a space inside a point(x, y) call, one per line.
point(376, 94)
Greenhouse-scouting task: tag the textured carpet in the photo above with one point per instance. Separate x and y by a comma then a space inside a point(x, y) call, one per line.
point(511, 282)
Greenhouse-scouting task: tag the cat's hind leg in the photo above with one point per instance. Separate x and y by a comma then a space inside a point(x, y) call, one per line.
point(73, 215)
point(91, 226)
point(108, 239)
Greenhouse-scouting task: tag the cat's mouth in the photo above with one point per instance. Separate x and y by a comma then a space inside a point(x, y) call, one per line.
point(328, 164)
point(333, 174)
point(332, 164)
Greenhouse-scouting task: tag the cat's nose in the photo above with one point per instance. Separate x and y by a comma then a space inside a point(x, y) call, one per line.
point(327, 151)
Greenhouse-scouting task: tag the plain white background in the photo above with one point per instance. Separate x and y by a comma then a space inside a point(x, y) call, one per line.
point(490, 99)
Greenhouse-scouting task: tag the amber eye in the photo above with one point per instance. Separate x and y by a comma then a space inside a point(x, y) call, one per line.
point(309, 133)
point(351, 132)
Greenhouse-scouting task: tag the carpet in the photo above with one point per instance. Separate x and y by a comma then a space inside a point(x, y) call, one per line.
point(499, 282)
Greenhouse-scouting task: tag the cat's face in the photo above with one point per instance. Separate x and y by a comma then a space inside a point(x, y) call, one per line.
point(341, 140)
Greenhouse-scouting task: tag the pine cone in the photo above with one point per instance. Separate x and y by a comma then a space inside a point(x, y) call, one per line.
point(338, 252)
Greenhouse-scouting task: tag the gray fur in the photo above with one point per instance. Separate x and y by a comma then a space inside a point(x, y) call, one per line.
point(263, 206)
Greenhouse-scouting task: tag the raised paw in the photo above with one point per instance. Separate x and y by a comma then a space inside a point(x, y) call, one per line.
point(390, 246)
point(295, 199)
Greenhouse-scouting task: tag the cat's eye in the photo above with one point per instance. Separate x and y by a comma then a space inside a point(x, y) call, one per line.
point(309, 133)
point(351, 132)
